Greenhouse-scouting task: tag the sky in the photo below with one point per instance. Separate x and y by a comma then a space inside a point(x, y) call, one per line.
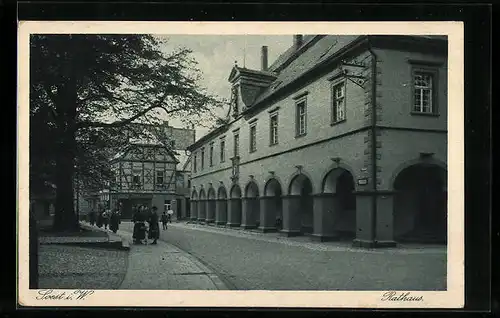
point(216, 55)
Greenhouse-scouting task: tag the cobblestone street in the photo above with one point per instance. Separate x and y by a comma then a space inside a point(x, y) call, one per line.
point(254, 261)
point(72, 267)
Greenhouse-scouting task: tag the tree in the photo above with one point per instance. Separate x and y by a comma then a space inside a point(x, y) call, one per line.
point(85, 89)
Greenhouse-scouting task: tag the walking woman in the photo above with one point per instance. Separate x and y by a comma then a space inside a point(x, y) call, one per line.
point(114, 221)
point(100, 218)
point(154, 226)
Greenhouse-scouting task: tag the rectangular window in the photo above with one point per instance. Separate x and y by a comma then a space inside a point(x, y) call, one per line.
point(424, 92)
point(160, 177)
point(195, 163)
point(274, 129)
point(338, 102)
point(211, 154)
point(301, 120)
point(222, 150)
point(253, 138)
point(236, 145)
point(136, 179)
point(202, 158)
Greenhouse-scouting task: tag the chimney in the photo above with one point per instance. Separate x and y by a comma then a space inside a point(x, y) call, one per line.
point(263, 58)
point(297, 40)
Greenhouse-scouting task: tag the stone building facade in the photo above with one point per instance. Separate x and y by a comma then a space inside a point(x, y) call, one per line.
point(342, 137)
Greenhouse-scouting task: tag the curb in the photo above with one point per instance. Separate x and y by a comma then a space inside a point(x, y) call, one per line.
point(218, 282)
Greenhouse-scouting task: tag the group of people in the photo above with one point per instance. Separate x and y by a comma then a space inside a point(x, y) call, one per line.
point(105, 218)
point(143, 215)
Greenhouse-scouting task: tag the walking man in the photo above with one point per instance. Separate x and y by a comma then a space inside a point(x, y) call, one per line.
point(154, 226)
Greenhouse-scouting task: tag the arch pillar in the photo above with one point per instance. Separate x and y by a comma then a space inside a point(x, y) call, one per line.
point(291, 215)
point(194, 210)
point(250, 212)
point(221, 211)
point(325, 211)
point(374, 230)
point(234, 213)
point(210, 214)
point(268, 213)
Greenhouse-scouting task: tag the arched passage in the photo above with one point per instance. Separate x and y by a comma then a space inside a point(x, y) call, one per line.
point(194, 206)
point(420, 204)
point(251, 208)
point(210, 205)
point(339, 207)
point(221, 206)
point(202, 206)
point(301, 191)
point(234, 212)
point(272, 206)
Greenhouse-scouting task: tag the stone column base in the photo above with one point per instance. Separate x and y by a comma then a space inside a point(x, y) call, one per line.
point(373, 244)
point(220, 223)
point(248, 226)
point(202, 221)
point(323, 238)
point(232, 224)
point(210, 221)
point(288, 233)
point(267, 229)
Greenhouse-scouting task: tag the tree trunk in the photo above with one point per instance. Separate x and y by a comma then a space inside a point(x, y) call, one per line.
point(65, 218)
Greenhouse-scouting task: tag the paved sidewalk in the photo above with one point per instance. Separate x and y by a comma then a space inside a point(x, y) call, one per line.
point(164, 266)
point(89, 236)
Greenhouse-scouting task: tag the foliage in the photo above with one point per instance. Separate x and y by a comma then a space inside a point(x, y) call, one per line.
point(86, 90)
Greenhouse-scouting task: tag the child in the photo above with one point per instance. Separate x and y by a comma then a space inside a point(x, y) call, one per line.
point(164, 220)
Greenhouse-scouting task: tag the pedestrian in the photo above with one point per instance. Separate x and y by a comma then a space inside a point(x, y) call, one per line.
point(139, 233)
point(92, 217)
point(99, 219)
point(154, 226)
point(105, 218)
point(164, 220)
point(114, 221)
point(170, 212)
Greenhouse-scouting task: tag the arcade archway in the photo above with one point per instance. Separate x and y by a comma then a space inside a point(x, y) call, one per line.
point(420, 204)
point(340, 184)
point(301, 186)
point(273, 193)
point(235, 206)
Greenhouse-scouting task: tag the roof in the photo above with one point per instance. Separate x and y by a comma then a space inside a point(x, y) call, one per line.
point(288, 53)
point(120, 154)
point(322, 49)
point(294, 63)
